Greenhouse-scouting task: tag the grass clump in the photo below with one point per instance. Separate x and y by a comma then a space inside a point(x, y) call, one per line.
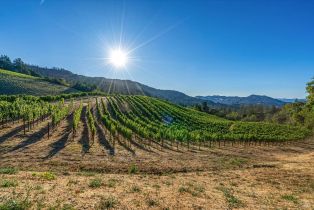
point(86, 173)
point(8, 183)
point(46, 175)
point(133, 169)
point(193, 189)
point(232, 162)
point(14, 204)
point(233, 202)
point(238, 162)
point(112, 182)
point(291, 198)
point(135, 189)
point(72, 182)
point(8, 170)
point(151, 202)
point(95, 183)
point(107, 203)
point(68, 206)
point(183, 189)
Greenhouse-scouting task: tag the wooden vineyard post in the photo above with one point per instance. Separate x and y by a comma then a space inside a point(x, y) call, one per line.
point(24, 126)
point(48, 130)
point(73, 133)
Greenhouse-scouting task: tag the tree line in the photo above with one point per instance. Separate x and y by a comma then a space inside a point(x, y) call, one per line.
point(19, 66)
point(297, 113)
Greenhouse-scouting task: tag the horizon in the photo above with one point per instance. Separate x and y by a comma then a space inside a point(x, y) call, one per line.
point(188, 49)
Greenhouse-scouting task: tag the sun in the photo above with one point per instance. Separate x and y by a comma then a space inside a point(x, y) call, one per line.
point(118, 58)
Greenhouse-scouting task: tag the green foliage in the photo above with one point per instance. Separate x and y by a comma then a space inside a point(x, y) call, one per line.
point(13, 204)
point(232, 200)
point(250, 113)
point(8, 183)
point(95, 183)
point(77, 116)
point(291, 198)
point(60, 111)
point(133, 169)
point(310, 98)
point(16, 66)
point(67, 206)
point(8, 170)
point(17, 83)
point(84, 87)
point(153, 118)
point(46, 175)
point(144, 117)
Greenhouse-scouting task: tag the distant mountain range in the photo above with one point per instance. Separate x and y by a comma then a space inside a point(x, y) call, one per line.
point(249, 100)
point(292, 100)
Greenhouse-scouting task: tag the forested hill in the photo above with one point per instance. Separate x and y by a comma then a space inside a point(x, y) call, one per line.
point(85, 83)
point(126, 87)
point(249, 100)
point(16, 83)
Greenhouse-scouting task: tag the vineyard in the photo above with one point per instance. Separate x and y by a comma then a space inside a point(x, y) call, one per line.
point(147, 145)
point(146, 119)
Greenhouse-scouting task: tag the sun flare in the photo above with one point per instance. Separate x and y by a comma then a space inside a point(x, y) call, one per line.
point(118, 58)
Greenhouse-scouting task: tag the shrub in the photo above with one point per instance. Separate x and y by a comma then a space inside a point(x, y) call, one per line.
point(133, 169)
point(95, 183)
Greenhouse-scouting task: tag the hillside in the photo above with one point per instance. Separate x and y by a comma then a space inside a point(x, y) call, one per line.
point(118, 86)
point(249, 100)
point(147, 150)
point(17, 83)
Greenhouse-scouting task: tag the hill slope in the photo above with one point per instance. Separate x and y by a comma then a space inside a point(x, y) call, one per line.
point(118, 86)
point(249, 100)
point(16, 83)
point(169, 121)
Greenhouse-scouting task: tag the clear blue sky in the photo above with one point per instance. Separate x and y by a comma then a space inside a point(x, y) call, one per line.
point(197, 47)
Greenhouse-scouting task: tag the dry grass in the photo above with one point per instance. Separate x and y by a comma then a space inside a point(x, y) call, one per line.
point(57, 173)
